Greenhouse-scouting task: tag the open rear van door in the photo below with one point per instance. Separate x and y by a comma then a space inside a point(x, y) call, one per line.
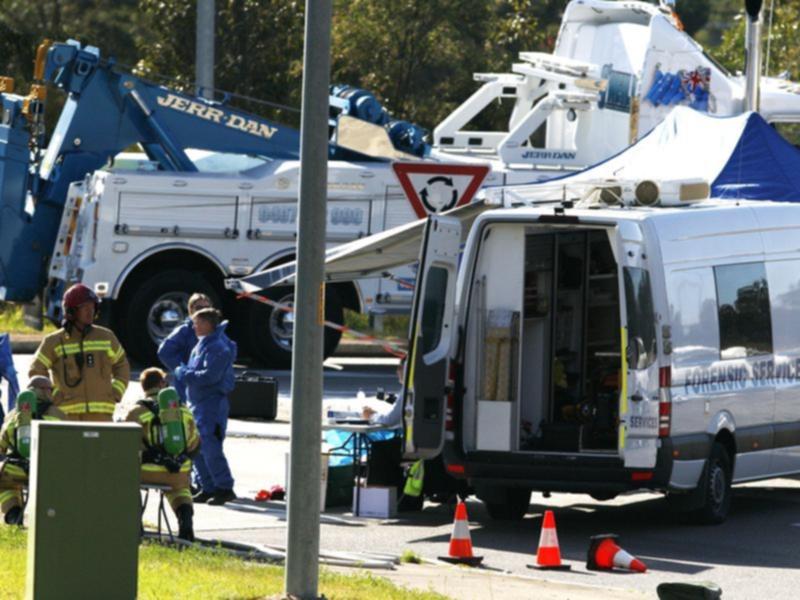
point(430, 339)
point(639, 393)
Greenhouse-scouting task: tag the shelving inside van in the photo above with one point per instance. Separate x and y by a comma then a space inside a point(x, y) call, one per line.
point(548, 347)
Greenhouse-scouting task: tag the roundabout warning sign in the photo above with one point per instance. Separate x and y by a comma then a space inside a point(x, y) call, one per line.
point(438, 187)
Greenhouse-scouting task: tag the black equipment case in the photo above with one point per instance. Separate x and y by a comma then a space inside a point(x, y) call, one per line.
point(254, 396)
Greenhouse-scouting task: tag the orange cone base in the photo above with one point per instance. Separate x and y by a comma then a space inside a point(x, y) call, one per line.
point(561, 567)
point(470, 561)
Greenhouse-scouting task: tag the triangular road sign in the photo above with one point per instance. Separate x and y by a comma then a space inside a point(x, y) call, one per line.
point(437, 187)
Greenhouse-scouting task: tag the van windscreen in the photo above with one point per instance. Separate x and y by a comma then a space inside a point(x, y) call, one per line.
point(641, 316)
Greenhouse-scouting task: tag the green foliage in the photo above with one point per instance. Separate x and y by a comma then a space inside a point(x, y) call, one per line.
point(419, 56)
point(694, 15)
point(394, 326)
point(784, 42)
point(114, 27)
point(410, 557)
point(258, 50)
point(12, 321)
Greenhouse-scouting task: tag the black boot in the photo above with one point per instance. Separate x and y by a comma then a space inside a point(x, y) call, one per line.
point(185, 525)
point(202, 497)
point(221, 497)
point(14, 516)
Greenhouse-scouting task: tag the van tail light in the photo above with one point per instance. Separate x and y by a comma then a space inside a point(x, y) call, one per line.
point(450, 398)
point(664, 401)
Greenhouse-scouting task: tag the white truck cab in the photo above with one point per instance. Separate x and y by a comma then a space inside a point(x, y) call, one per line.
point(606, 349)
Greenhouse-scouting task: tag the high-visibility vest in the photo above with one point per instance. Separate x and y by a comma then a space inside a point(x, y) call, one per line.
point(414, 479)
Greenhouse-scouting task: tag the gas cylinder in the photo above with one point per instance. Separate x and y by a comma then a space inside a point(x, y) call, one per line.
point(26, 405)
point(169, 413)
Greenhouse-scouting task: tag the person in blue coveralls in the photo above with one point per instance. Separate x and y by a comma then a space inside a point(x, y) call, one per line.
point(177, 346)
point(8, 372)
point(209, 378)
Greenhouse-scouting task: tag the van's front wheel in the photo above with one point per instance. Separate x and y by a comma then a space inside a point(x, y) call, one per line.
point(716, 482)
point(510, 504)
point(710, 502)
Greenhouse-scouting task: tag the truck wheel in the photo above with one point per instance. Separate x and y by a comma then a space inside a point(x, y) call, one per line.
point(716, 486)
point(513, 508)
point(270, 331)
point(153, 310)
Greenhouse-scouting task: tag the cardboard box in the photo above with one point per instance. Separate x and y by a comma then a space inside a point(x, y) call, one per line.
point(376, 501)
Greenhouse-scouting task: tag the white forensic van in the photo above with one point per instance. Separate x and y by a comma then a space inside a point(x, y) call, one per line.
point(608, 349)
point(599, 349)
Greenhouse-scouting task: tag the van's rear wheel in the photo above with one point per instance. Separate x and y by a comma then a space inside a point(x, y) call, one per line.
point(509, 505)
point(270, 331)
point(716, 482)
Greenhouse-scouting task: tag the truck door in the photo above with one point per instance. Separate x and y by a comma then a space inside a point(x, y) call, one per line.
point(639, 400)
point(431, 334)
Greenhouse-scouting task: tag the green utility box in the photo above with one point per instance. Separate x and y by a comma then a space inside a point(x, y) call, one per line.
point(84, 509)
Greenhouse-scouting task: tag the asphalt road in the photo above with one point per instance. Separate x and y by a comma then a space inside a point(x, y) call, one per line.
point(753, 555)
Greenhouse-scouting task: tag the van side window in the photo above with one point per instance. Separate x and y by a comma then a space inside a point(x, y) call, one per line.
point(745, 325)
point(641, 317)
point(433, 305)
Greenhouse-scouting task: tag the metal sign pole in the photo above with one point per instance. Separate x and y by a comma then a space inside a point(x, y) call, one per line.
point(204, 59)
point(302, 571)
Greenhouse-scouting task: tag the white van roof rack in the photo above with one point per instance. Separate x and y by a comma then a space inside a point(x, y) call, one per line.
point(604, 192)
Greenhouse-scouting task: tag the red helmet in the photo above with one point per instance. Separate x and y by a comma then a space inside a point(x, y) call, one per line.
point(78, 294)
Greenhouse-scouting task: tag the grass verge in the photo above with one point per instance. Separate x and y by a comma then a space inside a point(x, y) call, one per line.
point(395, 327)
point(12, 321)
point(165, 573)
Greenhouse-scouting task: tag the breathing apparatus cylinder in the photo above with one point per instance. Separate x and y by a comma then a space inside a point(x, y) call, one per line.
point(169, 413)
point(26, 405)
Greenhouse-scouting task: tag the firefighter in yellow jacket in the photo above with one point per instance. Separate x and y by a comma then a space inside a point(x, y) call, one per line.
point(33, 404)
point(86, 363)
point(169, 441)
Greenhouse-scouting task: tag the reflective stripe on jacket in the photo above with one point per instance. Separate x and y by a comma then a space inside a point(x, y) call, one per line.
point(89, 371)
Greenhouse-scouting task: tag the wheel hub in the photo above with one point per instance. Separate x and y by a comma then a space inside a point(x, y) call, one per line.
point(281, 323)
point(166, 313)
point(717, 485)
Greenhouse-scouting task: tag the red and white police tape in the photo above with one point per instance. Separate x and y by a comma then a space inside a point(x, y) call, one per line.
point(390, 347)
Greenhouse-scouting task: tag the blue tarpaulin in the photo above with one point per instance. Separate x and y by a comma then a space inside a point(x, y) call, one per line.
point(762, 166)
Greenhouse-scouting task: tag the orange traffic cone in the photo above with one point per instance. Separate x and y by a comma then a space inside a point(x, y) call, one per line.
point(460, 541)
point(605, 554)
point(548, 556)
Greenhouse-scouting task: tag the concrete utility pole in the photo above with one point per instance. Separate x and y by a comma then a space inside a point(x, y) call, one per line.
point(302, 556)
point(204, 49)
point(752, 40)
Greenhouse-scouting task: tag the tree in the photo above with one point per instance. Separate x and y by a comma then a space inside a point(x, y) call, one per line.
point(694, 15)
point(259, 49)
point(421, 61)
point(115, 28)
point(783, 42)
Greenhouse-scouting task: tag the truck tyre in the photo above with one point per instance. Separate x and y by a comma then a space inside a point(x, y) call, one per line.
point(269, 331)
point(151, 311)
point(513, 508)
point(716, 486)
